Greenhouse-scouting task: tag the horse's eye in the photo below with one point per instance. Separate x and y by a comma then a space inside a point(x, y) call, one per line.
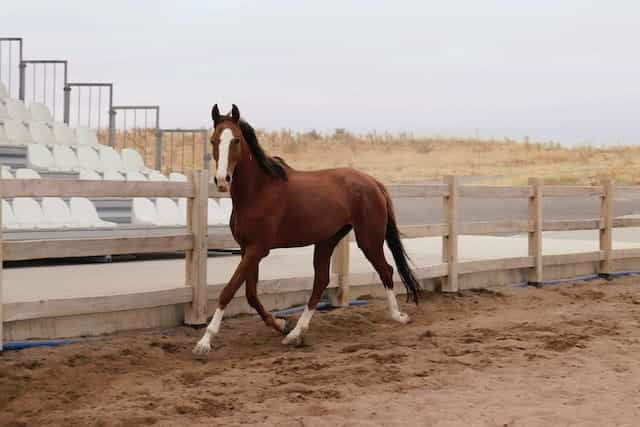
point(236, 140)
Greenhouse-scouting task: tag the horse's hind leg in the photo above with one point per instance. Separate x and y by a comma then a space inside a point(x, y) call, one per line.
point(321, 263)
point(372, 245)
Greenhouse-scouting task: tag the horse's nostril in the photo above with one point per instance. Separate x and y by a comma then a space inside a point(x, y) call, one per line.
point(228, 178)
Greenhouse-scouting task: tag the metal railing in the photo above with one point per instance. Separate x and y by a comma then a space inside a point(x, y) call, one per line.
point(10, 59)
point(97, 106)
point(140, 137)
point(184, 150)
point(43, 84)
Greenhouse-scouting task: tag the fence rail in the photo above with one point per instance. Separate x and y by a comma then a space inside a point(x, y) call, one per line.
point(195, 241)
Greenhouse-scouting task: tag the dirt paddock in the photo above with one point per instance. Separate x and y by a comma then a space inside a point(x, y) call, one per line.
point(558, 355)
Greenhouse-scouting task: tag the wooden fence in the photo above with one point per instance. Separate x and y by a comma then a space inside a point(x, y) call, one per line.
point(195, 241)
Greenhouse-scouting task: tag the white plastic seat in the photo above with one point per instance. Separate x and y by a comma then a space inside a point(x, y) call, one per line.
point(84, 214)
point(132, 160)
point(64, 158)
point(89, 175)
point(40, 113)
point(226, 205)
point(143, 211)
point(86, 136)
point(5, 172)
point(88, 158)
point(3, 134)
point(41, 133)
point(28, 213)
point(4, 114)
point(182, 211)
point(168, 213)
point(177, 177)
point(215, 214)
point(57, 213)
point(63, 134)
point(26, 173)
point(135, 176)
point(112, 176)
point(39, 157)
point(17, 110)
point(17, 133)
point(156, 176)
point(110, 159)
point(8, 218)
point(4, 93)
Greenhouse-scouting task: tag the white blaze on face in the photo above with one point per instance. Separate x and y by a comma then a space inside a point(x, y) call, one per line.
point(226, 136)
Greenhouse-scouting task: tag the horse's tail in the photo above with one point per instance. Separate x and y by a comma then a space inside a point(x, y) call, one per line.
point(400, 256)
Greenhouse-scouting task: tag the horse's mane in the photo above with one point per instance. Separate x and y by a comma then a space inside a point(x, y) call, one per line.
point(272, 166)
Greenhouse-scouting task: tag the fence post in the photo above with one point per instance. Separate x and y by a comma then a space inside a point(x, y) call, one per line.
point(196, 259)
point(450, 241)
point(606, 226)
point(340, 266)
point(535, 233)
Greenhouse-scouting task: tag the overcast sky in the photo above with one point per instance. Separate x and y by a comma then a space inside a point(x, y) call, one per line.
point(567, 71)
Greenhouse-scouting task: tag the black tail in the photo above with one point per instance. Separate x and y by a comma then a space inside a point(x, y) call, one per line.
point(400, 256)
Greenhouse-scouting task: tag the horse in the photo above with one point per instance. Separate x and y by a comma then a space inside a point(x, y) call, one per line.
point(277, 206)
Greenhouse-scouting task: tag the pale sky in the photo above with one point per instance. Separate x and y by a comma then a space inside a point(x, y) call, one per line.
point(567, 71)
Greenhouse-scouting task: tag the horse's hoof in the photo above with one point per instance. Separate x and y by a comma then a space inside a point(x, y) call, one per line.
point(285, 326)
point(203, 348)
point(294, 341)
point(401, 318)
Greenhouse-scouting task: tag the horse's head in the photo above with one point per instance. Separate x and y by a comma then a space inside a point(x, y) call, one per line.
point(226, 145)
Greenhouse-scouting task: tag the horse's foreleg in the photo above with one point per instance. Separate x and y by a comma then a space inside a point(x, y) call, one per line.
point(247, 265)
point(251, 292)
point(321, 262)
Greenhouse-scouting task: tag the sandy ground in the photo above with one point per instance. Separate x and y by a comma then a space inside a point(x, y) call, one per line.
point(559, 355)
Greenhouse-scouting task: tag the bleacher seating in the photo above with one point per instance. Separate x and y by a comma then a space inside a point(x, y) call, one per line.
point(17, 110)
point(112, 176)
point(86, 136)
point(4, 93)
point(84, 214)
point(110, 159)
point(41, 133)
point(40, 113)
point(168, 213)
point(50, 147)
point(28, 213)
point(8, 218)
point(17, 133)
point(63, 134)
point(88, 158)
point(143, 211)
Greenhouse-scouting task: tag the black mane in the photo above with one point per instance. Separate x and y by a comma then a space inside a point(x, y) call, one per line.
point(272, 166)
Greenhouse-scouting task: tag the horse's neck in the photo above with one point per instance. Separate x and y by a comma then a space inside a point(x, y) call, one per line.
point(248, 181)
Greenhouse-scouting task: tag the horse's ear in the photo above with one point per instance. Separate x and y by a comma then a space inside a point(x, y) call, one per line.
point(215, 114)
point(235, 113)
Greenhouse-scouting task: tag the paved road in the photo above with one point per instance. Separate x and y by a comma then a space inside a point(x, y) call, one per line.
point(411, 211)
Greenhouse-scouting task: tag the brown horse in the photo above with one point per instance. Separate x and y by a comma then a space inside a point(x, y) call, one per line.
point(275, 206)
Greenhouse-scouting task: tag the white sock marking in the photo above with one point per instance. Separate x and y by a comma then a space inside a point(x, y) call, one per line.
point(301, 326)
point(396, 314)
point(204, 345)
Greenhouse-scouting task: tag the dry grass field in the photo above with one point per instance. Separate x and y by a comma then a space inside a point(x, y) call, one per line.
point(402, 158)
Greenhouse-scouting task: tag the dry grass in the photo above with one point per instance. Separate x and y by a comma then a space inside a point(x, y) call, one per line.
point(403, 158)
